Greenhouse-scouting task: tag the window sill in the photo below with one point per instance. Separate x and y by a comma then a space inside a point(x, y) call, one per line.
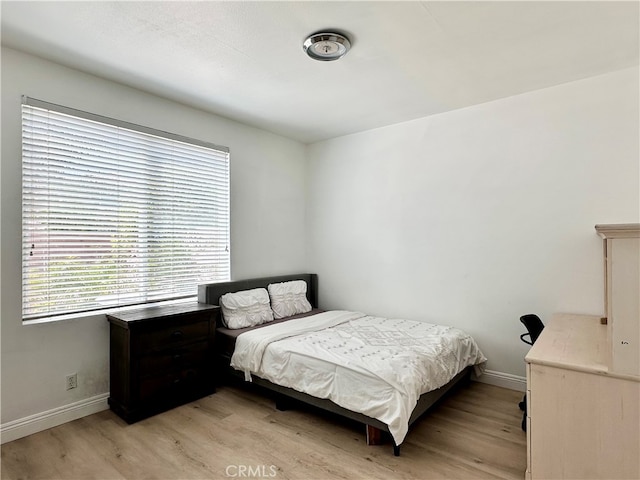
point(95, 313)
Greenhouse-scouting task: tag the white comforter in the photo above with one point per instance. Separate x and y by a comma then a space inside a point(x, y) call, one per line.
point(375, 366)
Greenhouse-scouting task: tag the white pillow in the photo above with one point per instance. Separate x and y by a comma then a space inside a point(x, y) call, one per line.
point(246, 308)
point(289, 298)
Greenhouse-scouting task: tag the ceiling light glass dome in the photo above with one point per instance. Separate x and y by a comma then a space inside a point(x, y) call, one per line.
point(326, 46)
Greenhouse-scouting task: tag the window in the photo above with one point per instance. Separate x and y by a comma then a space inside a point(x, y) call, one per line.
point(116, 214)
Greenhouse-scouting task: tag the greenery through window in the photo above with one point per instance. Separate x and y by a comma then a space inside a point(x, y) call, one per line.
point(116, 214)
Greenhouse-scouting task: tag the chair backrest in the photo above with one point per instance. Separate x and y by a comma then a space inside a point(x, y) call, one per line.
point(534, 327)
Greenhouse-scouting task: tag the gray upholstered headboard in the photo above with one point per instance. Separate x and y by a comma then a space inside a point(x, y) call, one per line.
point(211, 292)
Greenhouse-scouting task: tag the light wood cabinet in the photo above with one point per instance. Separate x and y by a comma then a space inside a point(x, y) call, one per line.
point(583, 419)
point(583, 378)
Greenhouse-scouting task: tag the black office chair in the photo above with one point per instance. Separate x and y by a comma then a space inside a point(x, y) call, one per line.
point(534, 327)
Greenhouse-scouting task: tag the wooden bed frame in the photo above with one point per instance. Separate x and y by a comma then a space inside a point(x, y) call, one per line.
point(211, 294)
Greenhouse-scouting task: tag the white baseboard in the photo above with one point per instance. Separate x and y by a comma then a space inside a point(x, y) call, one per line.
point(52, 418)
point(504, 380)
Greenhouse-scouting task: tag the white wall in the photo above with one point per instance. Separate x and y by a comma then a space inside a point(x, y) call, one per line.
point(468, 218)
point(474, 217)
point(267, 223)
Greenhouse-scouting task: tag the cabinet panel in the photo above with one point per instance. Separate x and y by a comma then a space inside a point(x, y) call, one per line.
point(583, 425)
point(528, 472)
point(622, 296)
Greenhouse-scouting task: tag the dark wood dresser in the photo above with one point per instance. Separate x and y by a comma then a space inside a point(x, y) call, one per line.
point(161, 357)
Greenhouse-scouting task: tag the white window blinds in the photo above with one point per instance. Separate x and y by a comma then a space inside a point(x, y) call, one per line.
point(116, 214)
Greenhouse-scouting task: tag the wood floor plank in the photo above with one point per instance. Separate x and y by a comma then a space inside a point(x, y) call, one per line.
point(237, 432)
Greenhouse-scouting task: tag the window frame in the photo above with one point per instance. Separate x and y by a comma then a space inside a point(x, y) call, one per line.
point(222, 151)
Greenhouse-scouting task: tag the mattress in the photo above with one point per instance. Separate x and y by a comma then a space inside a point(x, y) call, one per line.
point(375, 366)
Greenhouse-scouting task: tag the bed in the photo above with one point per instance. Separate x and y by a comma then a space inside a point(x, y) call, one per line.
point(384, 373)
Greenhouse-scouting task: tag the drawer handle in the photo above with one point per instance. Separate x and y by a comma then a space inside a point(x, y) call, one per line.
point(176, 335)
point(177, 357)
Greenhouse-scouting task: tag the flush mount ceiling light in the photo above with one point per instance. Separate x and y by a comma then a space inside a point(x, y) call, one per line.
point(326, 46)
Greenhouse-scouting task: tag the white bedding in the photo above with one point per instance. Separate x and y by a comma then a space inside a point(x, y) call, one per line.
point(375, 366)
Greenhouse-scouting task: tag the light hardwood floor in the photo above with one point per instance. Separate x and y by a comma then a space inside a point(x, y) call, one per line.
point(236, 433)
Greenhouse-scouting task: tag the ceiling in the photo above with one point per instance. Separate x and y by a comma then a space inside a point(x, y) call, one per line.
point(244, 60)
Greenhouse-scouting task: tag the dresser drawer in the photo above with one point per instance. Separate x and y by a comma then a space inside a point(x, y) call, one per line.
point(172, 384)
point(176, 358)
point(175, 334)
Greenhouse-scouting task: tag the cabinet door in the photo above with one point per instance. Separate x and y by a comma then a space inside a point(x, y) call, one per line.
point(623, 280)
point(583, 425)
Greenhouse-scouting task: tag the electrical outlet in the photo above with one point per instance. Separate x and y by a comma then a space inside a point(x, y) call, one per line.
point(72, 381)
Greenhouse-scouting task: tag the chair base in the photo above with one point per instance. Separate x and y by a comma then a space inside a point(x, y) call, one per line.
point(523, 407)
